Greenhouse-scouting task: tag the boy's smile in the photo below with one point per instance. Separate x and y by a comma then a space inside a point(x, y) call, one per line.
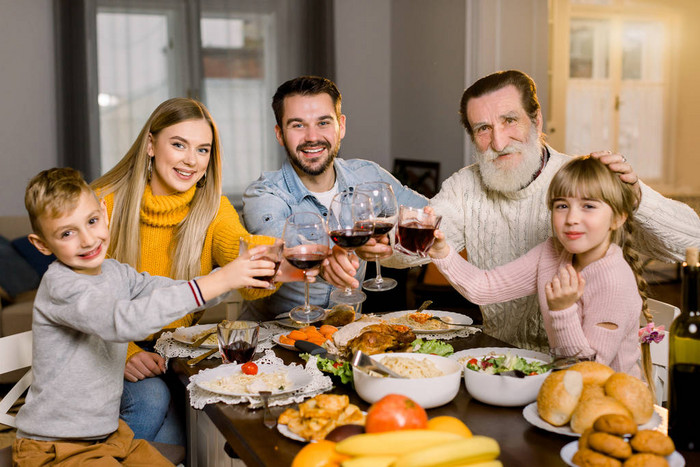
point(79, 238)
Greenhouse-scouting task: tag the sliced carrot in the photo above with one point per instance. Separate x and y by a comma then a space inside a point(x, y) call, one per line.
point(327, 330)
point(297, 335)
point(308, 328)
point(318, 341)
point(286, 340)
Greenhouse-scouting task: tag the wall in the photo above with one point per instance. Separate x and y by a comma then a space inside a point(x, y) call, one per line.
point(363, 76)
point(427, 81)
point(28, 138)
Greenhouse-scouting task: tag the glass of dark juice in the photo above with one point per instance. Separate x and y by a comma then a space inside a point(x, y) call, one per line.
point(416, 231)
point(272, 251)
point(237, 340)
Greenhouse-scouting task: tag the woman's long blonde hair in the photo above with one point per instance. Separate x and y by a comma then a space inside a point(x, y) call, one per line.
point(588, 177)
point(128, 180)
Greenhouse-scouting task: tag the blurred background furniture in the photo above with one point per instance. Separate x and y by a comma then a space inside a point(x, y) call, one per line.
point(664, 315)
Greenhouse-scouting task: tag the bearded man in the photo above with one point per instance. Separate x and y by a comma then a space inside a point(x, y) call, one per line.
point(497, 209)
point(310, 126)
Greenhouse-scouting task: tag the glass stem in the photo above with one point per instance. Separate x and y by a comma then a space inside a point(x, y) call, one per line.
point(307, 306)
point(378, 279)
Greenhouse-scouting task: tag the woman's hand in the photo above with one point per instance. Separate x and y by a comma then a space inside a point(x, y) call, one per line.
point(440, 248)
point(143, 365)
point(565, 288)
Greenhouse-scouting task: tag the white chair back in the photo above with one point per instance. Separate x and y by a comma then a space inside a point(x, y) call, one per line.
point(16, 351)
point(663, 314)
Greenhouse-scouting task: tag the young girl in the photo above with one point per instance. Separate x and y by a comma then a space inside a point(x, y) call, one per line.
point(587, 276)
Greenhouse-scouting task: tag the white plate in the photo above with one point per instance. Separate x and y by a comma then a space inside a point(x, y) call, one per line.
point(285, 431)
point(456, 318)
point(531, 415)
point(283, 320)
point(568, 451)
point(296, 374)
point(186, 335)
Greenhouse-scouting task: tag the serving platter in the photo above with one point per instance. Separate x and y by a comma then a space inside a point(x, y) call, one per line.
point(568, 451)
point(298, 377)
point(456, 318)
point(531, 414)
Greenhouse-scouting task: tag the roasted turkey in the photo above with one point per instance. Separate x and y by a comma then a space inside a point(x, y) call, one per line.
point(380, 338)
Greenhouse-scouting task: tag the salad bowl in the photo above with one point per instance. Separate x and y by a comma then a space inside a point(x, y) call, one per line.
point(504, 391)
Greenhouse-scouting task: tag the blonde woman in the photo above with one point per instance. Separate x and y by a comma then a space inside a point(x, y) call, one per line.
point(169, 218)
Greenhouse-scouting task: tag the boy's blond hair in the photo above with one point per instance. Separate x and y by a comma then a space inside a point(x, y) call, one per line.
point(53, 192)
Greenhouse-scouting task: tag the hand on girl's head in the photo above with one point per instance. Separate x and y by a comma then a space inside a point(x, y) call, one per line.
point(440, 248)
point(565, 288)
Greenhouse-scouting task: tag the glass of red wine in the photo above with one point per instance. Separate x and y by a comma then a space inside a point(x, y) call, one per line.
point(386, 213)
point(237, 340)
point(350, 225)
point(306, 245)
point(272, 252)
point(416, 231)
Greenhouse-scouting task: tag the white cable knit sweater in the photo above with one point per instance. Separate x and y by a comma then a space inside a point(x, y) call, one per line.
point(495, 228)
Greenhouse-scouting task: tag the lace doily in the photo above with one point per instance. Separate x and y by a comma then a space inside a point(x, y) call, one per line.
point(169, 348)
point(319, 384)
point(446, 336)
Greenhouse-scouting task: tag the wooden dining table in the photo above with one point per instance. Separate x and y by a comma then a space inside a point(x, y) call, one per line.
point(521, 443)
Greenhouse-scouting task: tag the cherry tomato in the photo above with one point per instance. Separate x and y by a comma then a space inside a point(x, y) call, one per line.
point(337, 365)
point(395, 412)
point(249, 368)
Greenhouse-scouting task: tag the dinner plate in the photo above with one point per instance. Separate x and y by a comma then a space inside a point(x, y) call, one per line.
point(276, 340)
point(283, 320)
point(188, 335)
point(296, 374)
point(533, 417)
point(568, 451)
point(456, 318)
point(285, 431)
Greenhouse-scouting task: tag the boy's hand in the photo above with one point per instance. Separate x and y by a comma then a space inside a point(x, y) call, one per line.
point(440, 248)
point(565, 288)
point(143, 365)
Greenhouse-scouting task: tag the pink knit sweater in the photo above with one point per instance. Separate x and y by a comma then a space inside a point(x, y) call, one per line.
point(610, 296)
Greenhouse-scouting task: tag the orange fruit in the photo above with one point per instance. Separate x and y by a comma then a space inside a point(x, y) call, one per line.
point(450, 425)
point(320, 454)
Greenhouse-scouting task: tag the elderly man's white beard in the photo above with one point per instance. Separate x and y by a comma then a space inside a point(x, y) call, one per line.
point(509, 176)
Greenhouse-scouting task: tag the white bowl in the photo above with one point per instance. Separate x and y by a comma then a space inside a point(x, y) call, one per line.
point(427, 392)
point(505, 391)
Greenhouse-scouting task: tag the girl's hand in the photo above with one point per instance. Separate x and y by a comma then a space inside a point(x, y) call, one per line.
point(440, 248)
point(143, 365)
point(565, 288)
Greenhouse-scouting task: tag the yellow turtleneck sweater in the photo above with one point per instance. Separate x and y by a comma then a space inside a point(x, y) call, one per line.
point(159, 218)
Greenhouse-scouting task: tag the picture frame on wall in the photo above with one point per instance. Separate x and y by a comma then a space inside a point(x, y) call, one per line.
point(421, 176)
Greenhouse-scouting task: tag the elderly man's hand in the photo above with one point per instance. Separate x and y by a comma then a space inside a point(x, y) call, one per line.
point(340, 269)
point(618, 163)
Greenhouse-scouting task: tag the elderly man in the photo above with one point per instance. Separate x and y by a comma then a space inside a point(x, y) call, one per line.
point(310, 126)
point(496, 208)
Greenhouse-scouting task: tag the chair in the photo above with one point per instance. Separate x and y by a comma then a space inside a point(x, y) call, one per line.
point(663, 314)
point(16, 351)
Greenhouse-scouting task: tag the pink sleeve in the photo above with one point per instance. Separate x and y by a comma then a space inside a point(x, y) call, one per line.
point(611, 296)
point(507, 282)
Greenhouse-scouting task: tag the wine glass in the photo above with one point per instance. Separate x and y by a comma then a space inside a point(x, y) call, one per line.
point(416, 231)
point(386, 213)
point(306, 245)
point(351, 225)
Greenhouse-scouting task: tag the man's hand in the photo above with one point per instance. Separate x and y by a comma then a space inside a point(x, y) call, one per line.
point(618, 163)
point(144, 365)
point(375, 248)
point(565, 288)
point(341, 268)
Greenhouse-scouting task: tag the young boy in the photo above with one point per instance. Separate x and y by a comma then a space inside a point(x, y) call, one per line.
point(86, 310)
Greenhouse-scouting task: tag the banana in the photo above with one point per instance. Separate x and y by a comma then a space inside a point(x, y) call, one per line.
point(465, 451)
point(495, 463)
point(393, 442)
point(369, 461)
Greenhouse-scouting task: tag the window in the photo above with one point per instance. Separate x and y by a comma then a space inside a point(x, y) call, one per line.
point(230, 54)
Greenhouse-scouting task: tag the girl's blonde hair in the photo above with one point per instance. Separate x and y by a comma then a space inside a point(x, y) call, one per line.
point(128, 180)
point(588, 177)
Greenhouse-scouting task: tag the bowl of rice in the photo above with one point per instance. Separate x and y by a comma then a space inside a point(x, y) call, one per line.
point(430, 380)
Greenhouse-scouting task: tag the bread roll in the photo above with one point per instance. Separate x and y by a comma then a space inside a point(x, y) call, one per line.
point(558, 396)
point(633, 394)
point(589, 410)
point(593, 372)
point(591, 391)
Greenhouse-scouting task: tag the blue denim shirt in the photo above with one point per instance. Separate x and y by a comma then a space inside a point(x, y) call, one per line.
point(272, 198)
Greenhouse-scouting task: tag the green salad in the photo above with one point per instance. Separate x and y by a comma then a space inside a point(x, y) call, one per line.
point(434, 347)
point(493, 364)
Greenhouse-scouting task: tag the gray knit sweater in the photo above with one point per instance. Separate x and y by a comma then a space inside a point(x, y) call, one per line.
point(81, 327)
point(496, 228)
